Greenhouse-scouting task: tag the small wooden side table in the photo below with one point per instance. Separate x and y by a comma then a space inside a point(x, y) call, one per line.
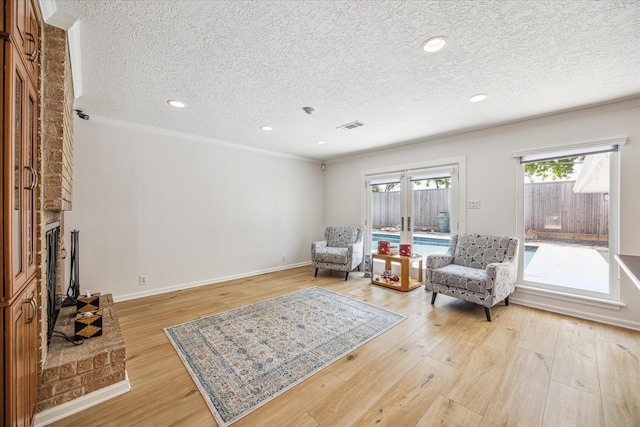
point(406, 282)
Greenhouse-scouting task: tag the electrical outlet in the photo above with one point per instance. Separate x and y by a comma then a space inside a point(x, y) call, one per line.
point(284, 258)
point(144, 280)
point(473, 204)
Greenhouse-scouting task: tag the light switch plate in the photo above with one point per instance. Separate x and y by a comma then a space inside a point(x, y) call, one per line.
point(473, 204)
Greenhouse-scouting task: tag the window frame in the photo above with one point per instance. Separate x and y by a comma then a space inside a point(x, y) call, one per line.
point(612, 298)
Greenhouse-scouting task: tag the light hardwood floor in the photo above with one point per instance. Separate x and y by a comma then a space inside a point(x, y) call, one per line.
point(445, 365)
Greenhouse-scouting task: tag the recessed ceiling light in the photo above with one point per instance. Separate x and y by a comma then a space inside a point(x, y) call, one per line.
point(434, 44)
point(478, 98)
point(176, 104)
point(266, 128)
point(321, 142)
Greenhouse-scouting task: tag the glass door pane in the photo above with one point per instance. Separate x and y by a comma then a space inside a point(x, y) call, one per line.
point(434, 213)
point(431, 217)
point(32, 180)
point(385, 217)
point(16, 237)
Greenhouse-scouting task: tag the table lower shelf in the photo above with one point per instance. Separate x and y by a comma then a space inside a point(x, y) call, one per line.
point(413, 283)
point(406, 282)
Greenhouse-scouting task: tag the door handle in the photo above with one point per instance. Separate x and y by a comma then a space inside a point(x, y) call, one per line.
point(32, 303)
point(34, 178)
point(408, 223)
point(402, 223)
point(34, 183)
point(33, 55)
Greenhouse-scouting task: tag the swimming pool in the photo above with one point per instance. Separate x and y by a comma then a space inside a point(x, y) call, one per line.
point(431, 245)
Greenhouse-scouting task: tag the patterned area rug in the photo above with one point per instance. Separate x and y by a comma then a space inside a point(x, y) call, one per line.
point(242, 358)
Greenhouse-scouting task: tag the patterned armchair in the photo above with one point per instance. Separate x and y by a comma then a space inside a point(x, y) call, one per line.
point(476, 268)
point(342, 249)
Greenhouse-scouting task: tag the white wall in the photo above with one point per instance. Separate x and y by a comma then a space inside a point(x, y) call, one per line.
point(491, 178)
point(185, 211)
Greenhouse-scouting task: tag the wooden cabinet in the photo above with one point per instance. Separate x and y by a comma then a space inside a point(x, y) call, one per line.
point(20, 140)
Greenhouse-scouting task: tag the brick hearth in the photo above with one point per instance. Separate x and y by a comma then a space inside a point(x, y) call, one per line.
point(73, 371)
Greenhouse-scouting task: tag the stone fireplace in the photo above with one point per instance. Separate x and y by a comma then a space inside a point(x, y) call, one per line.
point(69, 374)
point(56, 165)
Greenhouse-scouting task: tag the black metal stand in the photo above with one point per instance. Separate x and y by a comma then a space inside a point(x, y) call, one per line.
point(74, 278)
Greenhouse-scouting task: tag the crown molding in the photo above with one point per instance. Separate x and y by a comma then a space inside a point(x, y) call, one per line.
point(73, 39)
point(52, 16)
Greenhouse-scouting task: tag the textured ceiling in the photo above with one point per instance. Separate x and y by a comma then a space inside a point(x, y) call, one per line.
point(239, 65)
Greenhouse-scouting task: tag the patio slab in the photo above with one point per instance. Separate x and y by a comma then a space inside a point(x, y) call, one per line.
point(577, 267)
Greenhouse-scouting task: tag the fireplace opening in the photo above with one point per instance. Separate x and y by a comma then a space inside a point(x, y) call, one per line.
point(53, 305)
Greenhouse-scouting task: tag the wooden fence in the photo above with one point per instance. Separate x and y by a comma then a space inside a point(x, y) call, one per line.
point(427, 204)
point(559, 209)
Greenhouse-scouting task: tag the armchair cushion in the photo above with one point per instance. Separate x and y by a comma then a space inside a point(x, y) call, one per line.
point(477, 251)
point(472, 279)
point(332, 255)
point(341, 237)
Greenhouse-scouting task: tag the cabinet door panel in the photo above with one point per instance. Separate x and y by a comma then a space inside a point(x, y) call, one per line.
point(22, 351)
point(2, 370)
point(21, 20)
point(25, 30)
point(19, 87)
point(20, 176)
point(23, 176)
point(33, 46)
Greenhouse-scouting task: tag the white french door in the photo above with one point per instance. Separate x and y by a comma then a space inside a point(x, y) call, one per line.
point(406, 205)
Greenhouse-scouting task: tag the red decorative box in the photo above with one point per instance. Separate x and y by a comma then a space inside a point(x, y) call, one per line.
point(405, 249)
point(384, 248)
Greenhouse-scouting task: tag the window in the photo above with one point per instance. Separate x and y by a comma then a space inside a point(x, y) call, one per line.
point(568, 219)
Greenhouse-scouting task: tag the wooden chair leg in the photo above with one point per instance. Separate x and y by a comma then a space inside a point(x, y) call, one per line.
point(316, 275)
point(346, 276)
point(487, 312)
point(506, 301)
point(433, 297)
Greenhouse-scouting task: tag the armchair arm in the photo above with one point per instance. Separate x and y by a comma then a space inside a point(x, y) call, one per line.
point(499, 269)
point(436, 261)
point(503, 276)
point(355, 253)
point(439, 260)
point(318, 245)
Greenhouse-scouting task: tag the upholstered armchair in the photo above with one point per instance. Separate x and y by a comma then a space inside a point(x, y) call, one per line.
point(476, 268)
point(342, 249)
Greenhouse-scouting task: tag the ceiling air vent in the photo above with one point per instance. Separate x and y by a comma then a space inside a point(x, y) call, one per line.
point(351, 125)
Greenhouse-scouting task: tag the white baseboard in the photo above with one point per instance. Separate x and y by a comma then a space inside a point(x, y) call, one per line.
point(582, 314)
point(151, 292)
point(74, 406)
